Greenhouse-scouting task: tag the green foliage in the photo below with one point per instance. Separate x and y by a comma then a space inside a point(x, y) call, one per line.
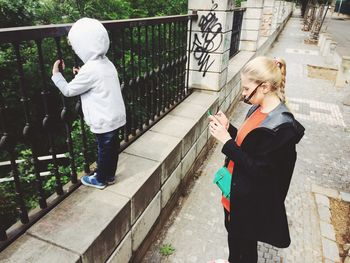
point(17, 13)
point(8, 205)
point(31, 12)
point(167, 250)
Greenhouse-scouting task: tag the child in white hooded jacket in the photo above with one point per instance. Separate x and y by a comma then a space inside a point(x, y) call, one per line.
point(98, 85)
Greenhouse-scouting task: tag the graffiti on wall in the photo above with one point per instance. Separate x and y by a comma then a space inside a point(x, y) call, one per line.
point(266, 23)
point(208, 40)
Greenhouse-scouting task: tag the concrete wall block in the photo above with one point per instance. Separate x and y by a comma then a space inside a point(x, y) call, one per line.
point(237, 89)
point(229, 21)
point(144, 224)
point(202, 140)
point(203, 98)
point(188, 141)
point(251, 35)
point(253, 13)
point(218, 44)
point(326, 47)
point(211, 81)
point(227, 41)
point(32, 250)
point(217, 21)
point(216, 62)
point(225, 105)
point(251, 24)
point(269, 3)
point(222, 94)
point(94, 238)
point(123, 252)
point(139, 180)
point(170, 185)
point(230, 97)
point(203, 122)
point(171, 162)
point(168, 150)
point(330, 250)
point(254, 3)
point(188, 160)
point(180, 127)
point(222, 5)
point(248, 45)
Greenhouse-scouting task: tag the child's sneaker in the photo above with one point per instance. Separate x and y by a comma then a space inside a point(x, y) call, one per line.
point(92, 181)
point(110, 181)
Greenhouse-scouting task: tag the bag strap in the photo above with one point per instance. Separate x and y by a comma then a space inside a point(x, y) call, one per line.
point(227, 160)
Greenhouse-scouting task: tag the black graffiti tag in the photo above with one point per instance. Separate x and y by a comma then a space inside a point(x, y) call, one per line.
point(204, 44)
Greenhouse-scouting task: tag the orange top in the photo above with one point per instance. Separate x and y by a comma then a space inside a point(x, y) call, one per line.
point(250, 124)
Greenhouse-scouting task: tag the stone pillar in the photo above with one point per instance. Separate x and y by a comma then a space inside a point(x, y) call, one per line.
point(281, 11)
point(331, 52)
point(343, 78)
point(274, 24)
point(343, 72)
point(323, 43)
point(326, 46)
point(210, 43)
point(251, 24)
point(267, 18)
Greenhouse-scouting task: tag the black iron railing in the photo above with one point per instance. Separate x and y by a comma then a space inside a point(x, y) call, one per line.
point(236, 30)
point(35, 120)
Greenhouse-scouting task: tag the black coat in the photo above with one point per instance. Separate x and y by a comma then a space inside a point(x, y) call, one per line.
point(264, 165)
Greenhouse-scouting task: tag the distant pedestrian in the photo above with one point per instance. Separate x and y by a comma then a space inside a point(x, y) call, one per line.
point(261, 156)
point(98, 85)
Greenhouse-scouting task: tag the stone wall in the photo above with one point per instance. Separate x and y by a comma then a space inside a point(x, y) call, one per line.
point(118, 223)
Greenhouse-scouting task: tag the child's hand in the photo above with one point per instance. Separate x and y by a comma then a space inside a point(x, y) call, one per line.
point(55, 68)
point(76, 70)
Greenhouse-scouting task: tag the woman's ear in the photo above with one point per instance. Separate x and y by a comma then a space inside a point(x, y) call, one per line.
point(266, 87)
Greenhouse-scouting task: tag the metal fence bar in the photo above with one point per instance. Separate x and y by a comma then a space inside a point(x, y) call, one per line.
point(236, 30)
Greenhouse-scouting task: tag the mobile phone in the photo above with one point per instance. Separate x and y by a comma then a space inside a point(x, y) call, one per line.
point(209, 113)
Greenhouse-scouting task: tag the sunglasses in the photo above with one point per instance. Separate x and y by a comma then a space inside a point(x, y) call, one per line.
point(247, 99)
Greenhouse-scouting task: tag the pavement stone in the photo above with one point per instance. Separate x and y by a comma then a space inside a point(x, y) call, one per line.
point(327, 230)
point(345, 196)
point(323, 159)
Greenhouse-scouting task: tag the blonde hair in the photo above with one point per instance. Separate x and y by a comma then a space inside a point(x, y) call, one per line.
point(271, 70)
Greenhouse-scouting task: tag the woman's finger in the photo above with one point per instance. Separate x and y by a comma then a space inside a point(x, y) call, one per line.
point(215, 120)
point(213, 125)
point(211, 130)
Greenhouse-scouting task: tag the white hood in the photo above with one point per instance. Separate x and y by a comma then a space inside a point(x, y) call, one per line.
point(89, 39)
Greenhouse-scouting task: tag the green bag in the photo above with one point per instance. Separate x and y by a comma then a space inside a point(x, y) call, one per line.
point(222, 179)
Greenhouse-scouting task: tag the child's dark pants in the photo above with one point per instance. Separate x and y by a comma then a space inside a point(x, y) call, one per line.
point(108, 145)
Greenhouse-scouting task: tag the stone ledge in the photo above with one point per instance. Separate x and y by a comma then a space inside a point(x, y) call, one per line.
point(30, 249)
point(89, 222)
point(92, 225)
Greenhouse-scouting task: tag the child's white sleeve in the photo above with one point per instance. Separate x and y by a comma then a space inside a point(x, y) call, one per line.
point(79, 85)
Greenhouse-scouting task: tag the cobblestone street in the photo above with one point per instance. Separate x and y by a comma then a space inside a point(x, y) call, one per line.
point(196, 230)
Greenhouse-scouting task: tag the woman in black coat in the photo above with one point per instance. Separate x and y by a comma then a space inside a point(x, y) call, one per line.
point(263, 153)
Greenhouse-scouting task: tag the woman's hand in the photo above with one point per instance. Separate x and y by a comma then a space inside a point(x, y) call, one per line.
point(221, 117)
point(217, 130)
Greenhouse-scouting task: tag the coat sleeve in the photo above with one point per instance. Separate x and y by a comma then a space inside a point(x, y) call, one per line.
point(79, 85)
point(263, 166)
point(232, 130)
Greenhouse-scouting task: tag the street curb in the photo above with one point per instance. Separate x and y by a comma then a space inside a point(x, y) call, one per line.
point(321, 194)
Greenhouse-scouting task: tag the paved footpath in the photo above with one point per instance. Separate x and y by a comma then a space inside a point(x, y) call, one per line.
point(196, 230)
